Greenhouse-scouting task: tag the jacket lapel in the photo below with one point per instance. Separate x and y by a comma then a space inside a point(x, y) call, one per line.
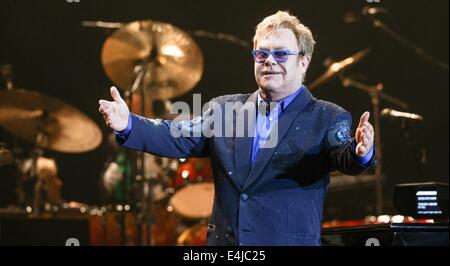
point(243, 144)
point(284, 123)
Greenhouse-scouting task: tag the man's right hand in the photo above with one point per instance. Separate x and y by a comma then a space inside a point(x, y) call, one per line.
point(115, 113)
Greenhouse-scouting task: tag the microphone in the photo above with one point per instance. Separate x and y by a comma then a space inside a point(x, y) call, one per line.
point(394, 114)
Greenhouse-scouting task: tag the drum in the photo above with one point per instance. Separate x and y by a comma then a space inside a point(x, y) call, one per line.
point(195, 201)
point(110, 225)
point(193, 236)
point(194, 189)
point(113, 226)
point(192, 170)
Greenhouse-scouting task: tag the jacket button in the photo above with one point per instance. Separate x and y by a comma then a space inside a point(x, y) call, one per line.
point(244, 196)
point(229, 229)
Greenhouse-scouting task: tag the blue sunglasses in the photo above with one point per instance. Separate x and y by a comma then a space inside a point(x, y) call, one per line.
point(281, 56)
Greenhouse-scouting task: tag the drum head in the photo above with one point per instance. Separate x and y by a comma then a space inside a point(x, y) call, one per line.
point(194, 201)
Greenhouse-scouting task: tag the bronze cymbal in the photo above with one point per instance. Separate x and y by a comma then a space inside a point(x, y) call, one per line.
point(27, 113)
point(170, 58)
point(337, 67)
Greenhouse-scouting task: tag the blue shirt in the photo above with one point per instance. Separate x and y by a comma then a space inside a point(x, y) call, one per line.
point(265, 119)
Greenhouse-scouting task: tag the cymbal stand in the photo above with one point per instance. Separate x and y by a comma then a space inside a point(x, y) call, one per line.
point(375, 92)
point(145, 213)
point(37, 196)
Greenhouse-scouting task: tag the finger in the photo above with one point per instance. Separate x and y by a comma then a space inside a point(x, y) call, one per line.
point(364, 118)
point(104, 110)
point(361, 138)
point(105, 103)
point(358, 134)
point(366, 131)
point(366, 141)
point(369, 134)
point(116, 95)
point(369, 127)
point(360, 150)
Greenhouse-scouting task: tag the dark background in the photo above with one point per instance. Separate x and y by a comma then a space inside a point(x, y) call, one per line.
point(53, 54)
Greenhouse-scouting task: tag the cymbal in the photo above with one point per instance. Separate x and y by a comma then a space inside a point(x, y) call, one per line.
point(171, 60)
point(27, 113)
point(338, 67)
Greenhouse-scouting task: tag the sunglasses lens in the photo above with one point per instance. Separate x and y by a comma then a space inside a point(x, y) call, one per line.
point(281, 55)
point(261, 56)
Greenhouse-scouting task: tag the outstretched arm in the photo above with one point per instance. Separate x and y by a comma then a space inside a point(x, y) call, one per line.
point(160, 137)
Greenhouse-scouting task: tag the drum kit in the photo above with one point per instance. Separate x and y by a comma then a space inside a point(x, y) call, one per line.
point(151, 62)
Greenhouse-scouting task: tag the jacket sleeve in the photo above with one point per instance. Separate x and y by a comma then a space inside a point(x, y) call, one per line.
point(167, 138)
point(340, 147)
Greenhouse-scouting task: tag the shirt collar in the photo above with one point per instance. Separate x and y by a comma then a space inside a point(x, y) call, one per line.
point(283, 102)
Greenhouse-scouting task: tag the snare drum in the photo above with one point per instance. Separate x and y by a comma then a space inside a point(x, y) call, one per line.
point(195, 201)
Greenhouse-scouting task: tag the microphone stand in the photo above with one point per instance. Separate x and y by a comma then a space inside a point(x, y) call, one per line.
point(375, 92)
point(417, 50)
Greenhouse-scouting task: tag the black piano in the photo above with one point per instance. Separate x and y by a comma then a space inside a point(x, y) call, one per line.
point(393, 234)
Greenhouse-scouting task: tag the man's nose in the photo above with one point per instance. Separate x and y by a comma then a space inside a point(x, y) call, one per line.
point(270, 60)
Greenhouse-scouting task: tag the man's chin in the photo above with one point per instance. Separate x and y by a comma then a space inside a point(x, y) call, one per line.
point(269, 86)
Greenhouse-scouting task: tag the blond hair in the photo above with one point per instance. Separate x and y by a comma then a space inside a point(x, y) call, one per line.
point(282, 19)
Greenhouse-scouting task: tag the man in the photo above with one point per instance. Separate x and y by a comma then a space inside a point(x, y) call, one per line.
point(264, 194)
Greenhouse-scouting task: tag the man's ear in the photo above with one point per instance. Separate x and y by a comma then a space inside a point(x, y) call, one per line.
point(304, 63)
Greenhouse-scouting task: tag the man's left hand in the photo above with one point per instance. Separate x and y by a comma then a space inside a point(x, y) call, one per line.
point(364, 135)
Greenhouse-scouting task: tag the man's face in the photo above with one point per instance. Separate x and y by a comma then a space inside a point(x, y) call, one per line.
point(280, 78)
